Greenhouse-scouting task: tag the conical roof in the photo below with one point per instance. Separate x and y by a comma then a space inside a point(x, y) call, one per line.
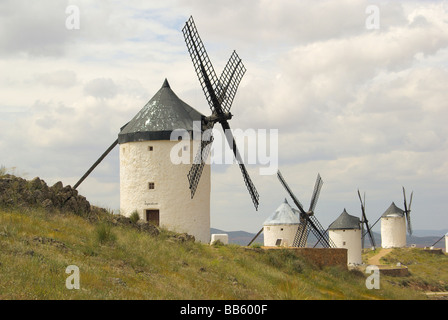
point(393, 211)
point(284, 215)
point(345, 221)
point(164, 113)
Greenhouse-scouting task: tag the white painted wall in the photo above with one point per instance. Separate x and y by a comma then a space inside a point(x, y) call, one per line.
point(446, 243)
point(171, 196)
point(223, 237)
point(274, 232)
point(349, 239)
point(393, 232)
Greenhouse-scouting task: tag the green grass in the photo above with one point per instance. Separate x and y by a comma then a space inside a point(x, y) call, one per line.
point(120, 262)
point(428, 270)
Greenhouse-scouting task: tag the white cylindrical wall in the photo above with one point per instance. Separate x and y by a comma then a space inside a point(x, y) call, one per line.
point(147, 162)
point(274, 232)
point(393, 232)
point(349, 239)
point(446, 243)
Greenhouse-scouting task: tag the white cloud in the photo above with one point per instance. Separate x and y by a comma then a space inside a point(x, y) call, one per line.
point(59, 78)
point(101, 88)
point(34, 28)
point(365, 108)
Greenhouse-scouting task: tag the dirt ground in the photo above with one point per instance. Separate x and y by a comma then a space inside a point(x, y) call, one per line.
point(375, 260)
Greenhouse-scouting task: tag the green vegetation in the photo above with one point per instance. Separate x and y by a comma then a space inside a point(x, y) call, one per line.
point(104, 234)
point(134, 216)
point(120, 261)
point(428, 269)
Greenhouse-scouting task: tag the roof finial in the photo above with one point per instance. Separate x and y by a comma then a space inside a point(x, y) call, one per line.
point(166, 84)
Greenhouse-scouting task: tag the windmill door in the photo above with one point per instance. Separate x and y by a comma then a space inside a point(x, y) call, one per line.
point(152, 216)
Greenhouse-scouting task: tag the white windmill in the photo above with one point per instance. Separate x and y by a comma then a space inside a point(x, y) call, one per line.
point(150, 182)
point(393, 224)
point(165, 192)
point(345, 232)
point(446, 242)
point(280, 228)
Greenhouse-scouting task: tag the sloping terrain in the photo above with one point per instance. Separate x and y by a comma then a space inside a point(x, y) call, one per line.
point(120, 258)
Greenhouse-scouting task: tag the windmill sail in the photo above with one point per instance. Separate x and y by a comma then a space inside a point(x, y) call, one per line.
point(310, 221)
point(219, 95)
point(316, 192)
point(365, 222)
point(201, 157)
point(407, 210)
point(201, 62)
point(228, 82)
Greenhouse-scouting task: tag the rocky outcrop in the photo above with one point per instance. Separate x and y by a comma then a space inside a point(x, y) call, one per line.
point(18, 192)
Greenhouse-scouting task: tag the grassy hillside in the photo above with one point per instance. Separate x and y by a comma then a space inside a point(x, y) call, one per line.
point(428, 269)
point(121, 261)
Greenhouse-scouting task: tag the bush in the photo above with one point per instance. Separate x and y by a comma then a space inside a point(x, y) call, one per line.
point(104, 234)
point(218, 243)
point(134, 216)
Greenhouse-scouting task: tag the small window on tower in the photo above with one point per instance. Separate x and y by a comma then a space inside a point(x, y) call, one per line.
point(151, 185)
point(150, 148)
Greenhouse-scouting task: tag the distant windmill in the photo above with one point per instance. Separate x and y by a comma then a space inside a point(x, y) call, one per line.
point(365, 222)
point(307, 218)
point(345, 232)
point(393, 224)
point(281, 226)
point(219, 94)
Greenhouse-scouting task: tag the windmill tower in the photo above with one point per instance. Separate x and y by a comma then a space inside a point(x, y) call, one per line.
point(308, 220)
point(393, 228)
point(280, 228)
point(393, 225)
point(150, 182)
point(446, 242)
point(345, 232)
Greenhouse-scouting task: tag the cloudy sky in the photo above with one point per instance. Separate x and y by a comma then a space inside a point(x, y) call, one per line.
point(364, 107)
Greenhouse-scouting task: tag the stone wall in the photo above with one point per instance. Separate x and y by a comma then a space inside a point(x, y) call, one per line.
point(319, 256)
point(393, 271)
